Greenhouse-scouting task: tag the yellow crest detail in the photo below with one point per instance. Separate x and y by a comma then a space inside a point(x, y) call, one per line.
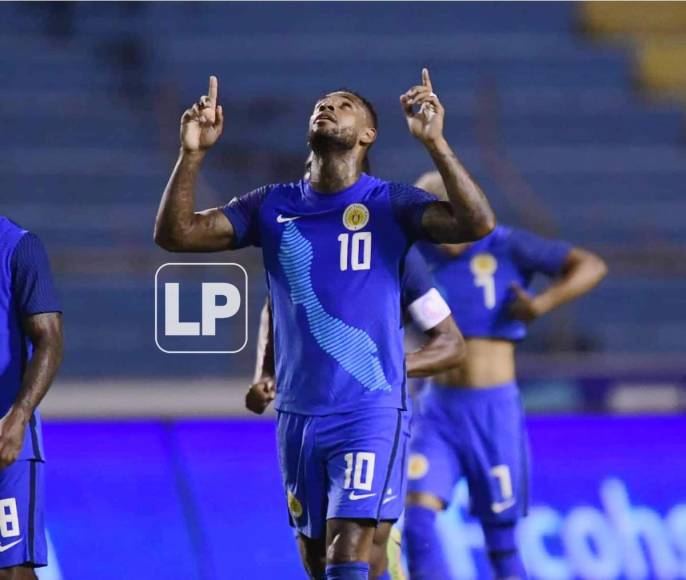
point(294, 506)
point(355, 216)
point(483, 265)
point(418, 466)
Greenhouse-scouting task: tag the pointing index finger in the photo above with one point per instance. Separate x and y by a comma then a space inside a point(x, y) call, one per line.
point(212, 91)
point(426, 80)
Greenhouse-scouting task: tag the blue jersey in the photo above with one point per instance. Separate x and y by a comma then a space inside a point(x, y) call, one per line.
point(417, 279)
point(477, 283)
point(26, 289)
point(334, 265)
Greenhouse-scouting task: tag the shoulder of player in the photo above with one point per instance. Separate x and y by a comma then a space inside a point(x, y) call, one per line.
point(284, 189)
point(398, 187)
point(12, 234)
point(257, 197)
point(9, 224)
point(402, 195)
point(498, 243)
point(499, 238)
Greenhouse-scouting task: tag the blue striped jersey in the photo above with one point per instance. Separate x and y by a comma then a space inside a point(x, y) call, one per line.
point(477, 283)
point(334, 264)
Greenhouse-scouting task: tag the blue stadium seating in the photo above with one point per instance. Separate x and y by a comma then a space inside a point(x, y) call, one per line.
point(91, 95)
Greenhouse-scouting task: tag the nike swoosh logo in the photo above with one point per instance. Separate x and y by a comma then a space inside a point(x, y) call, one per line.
point(353, 496)
point(282, 220)
point(391, 498)
point(8, 546)
point(501, 506)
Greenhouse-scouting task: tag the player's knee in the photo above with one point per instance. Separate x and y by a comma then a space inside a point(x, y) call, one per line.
point(379, 554)
point(382, 533)
point(425, 500)
point(18, 573)
point(344, 549)
point(378, 563)
point(351, 541)
point(313, 556)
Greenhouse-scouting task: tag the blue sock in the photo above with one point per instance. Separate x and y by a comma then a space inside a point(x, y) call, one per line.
point(424, 552)
point(349, 571)
point(502, 551)
point(385, 576)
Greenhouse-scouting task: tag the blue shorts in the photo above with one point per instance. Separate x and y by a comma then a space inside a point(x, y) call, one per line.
point(347, 465)
point(474, 433)
point(22, 526)
point(393, 502)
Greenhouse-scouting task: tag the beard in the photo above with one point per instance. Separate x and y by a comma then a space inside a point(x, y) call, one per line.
point(336, 139)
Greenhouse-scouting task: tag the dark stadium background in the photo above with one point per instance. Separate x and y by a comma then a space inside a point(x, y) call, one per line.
point(570, 115)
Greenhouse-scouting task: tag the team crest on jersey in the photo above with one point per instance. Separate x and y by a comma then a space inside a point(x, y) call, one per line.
point(483, 265)
point(355, 216)
point(418, 466)
point(294, 506)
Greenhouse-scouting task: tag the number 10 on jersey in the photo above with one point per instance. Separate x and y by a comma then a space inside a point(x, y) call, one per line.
point(355, 251)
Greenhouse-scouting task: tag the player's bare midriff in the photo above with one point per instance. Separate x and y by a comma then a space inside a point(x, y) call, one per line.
point(488, 363)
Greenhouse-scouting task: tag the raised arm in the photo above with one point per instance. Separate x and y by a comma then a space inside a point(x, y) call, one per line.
point(178, 227)
point(581, 271)
point(467, 216)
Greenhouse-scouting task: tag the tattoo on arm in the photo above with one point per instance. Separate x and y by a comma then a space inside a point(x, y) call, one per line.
point(467, 216)
point(178, 228)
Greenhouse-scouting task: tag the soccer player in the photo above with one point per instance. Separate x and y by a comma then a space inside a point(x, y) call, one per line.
point(333, 249)
point(469, 421)
point(443, 350)
point(30, 355)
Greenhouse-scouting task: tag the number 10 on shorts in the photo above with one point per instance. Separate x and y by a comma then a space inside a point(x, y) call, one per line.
point(359, 470)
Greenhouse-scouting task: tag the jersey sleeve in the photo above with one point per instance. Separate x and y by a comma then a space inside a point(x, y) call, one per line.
point(243, 212)
point(32, 285)
point(536, 254)
point(417, 279)
point(426, 306)
point(408, 204)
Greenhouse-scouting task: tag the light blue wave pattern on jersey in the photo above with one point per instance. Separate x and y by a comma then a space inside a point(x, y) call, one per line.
point(351, 347)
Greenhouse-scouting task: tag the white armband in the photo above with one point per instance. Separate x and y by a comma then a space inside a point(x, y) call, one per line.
point(429, 310)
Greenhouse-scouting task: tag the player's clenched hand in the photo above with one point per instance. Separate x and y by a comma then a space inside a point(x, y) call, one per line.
point(12, 428)
point(259, 396)
point(423, 111)
point(202, 124)
point(524, 306)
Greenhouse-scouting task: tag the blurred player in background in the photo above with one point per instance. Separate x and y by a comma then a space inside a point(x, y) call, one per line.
point(469, 421)
point(333, 249)
point(30, 355)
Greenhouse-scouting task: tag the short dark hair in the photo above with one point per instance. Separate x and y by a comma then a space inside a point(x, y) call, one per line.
point(365, 102)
